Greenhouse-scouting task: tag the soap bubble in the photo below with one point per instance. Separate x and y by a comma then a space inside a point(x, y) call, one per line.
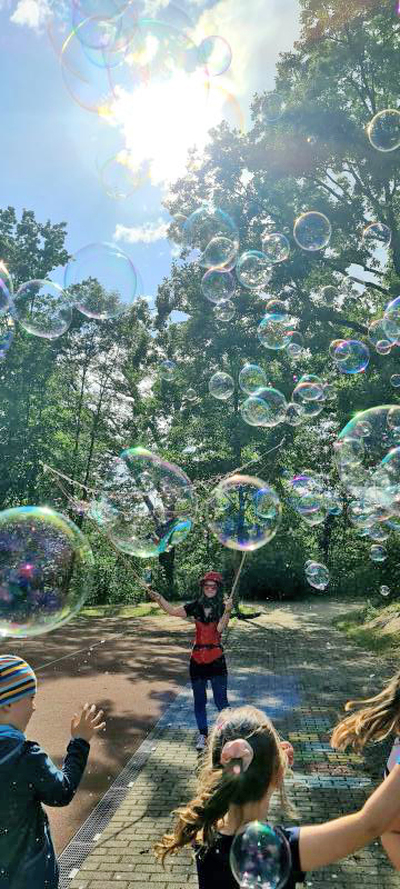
point(7, 332)
point(168, 370)
point(46, 568)
point(384, 130)
point(329, 295)
point(294, 414)
point(260, 857)
point(146, 505)
point(333, 346)
point(378, 553)
point(275, 331)
point(251, 378)
point(329, 392)
point(244, 512)
point(216, 54)
point(191, 394)
point(312, 231)
point(6, 288)
point(275, 246)
point(221, 386)
point(383, 330)
point(383, 347)
point(205, 224)
point(218, 285)
point(351, 357)
point(376, 235)
point(317, 576)
point(221, 252)
point(266, 408)
point(308, 497)
point(103, 281)
point(384, 591)
point(391, 321)
point(253, 269)
point(310, 388)
point(224, 310)
point(368, 464)
point(42, 309)
point(395, 381)
point(272, 107)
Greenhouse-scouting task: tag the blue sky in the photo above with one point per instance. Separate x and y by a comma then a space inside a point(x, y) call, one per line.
point(52, 148)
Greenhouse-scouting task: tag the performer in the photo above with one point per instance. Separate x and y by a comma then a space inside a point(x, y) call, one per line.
point(207, 663)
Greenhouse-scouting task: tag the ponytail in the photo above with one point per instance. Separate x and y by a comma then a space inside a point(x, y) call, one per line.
point(374, 720)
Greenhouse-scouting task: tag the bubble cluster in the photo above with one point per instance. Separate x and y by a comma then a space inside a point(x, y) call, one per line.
point(244, 512)
point(46, 570)
point(260, 857)
point(209, 224)
point(146, 505)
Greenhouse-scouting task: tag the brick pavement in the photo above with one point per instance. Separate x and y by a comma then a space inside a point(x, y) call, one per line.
point(291, 663)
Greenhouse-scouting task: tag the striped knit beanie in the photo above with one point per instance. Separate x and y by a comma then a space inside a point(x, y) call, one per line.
point(17, 679)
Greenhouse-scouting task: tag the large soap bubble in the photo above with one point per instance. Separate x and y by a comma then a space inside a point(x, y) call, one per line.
point(275, 331)
point(244, 512)
point(206, 224)
point(220, 253)
point(146, 505)
point(384, 130)
point(267, 407)
point(42, 309)
point(317, 575)
point(251, 378)
point(308, 496)
point(103, 281)
point(351, 356)
point(376, 235)
point(253, 269)
point(312, 231)
point(260, 857)
point(168, 370)
point(218, 285)
point(46, 567)
point(221, 386)
point(275, 246)
point(309, 388)
point(6, 288)
point(216, 54)
point(224, 310)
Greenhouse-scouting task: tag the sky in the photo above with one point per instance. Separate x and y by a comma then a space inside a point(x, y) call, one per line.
point(73, 131)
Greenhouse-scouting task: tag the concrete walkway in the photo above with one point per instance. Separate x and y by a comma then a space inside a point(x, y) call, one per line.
point(291, 663)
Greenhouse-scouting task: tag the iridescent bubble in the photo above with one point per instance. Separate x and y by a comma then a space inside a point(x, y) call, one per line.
point(102, 281)
point(364, 462)
point(146, 505)
point(260, 857)
point(294, 414)
point(218, 285)
point(333, 346)
point(7, 332)
point(384, 591)
point(351, 357)
point(42, 308)
point(378, 533)
point(376, 235)
point(253, 269)
point(383, 347)
point(221, 252)
point(272, 107)
point(46, 570)
point(206, 224)
point(266, 408)
point(393, 418)
point(310, 388)
point(275, 246)
point(275, 331)
point(382, 331)
point(168, 370)
point(234, 514)
point(6, 288)
point(216, 54)
point(275, 306)
point(251, 378)
point(221, 386)
point(384, 130)
point(224, 310)
point(318, 576)
point(190, 394)
point(312, 231)
point(308, 497)
point(329, 392)
point(329, 295)
point(378, 553)
point(395, 381)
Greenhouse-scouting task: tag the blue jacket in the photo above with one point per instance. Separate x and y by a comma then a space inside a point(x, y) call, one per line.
point(28, 778)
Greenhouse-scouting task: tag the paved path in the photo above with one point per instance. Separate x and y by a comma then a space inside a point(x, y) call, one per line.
point(294, 665)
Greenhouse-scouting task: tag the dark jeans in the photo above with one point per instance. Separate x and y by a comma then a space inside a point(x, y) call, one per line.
point(219, 686)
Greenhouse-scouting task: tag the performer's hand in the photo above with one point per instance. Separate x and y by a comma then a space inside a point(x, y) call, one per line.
point(229, 604)
point(155, 597)
point(287, 747)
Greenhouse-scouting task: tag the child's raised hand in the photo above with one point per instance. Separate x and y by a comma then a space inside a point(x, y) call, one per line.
point(287, 747)
point(155, 597)
point(88, 723)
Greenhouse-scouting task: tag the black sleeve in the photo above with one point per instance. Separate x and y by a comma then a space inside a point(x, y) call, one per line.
point(191, 608)
point(292, 835)
point(53, 786)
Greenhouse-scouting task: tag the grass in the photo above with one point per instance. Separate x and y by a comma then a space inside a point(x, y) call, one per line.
point(145, 609)
point(355, 624)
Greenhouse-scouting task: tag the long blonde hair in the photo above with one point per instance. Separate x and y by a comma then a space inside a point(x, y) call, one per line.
point(219, 787)
point(374, 720)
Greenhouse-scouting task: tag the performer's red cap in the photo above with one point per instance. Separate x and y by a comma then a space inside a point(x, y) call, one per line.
point(213, 576)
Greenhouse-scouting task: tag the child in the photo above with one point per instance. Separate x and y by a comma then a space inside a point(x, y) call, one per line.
point(207, 662)
point(376, 719)
point(229, 798)
point(28, 778)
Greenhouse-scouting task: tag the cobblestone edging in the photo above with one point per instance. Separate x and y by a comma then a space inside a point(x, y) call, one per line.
point(300, 673)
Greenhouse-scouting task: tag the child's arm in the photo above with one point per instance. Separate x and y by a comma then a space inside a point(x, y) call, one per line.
point(224, 620)
point(168, 607)
point(323, 844)
point(56, 787)
point(391, 844)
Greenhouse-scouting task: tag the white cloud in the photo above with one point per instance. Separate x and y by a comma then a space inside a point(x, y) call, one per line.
point(145, 234)
point(31, 13)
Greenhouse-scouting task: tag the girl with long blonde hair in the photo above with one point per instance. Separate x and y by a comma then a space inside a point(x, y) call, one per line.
point(245, 764)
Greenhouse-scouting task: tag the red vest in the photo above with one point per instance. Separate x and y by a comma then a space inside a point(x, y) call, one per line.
point(207, 644)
